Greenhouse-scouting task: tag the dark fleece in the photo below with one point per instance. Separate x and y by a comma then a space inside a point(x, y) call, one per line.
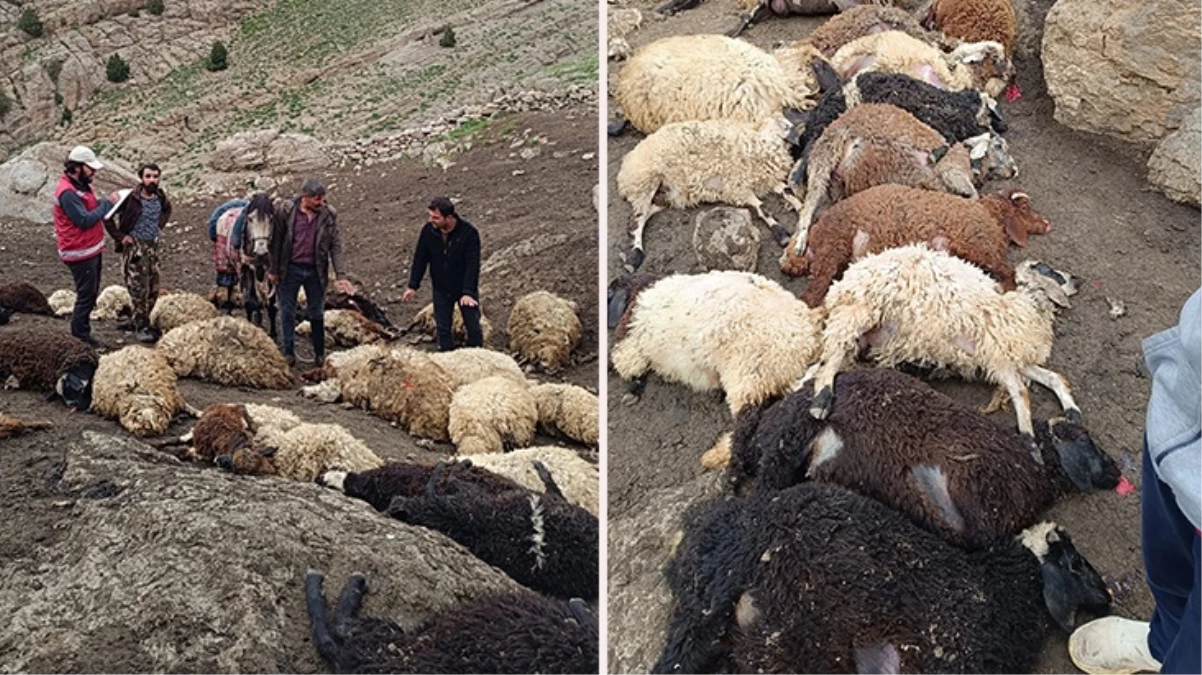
point(21, 297)
point(381, 485)
point(39, 356)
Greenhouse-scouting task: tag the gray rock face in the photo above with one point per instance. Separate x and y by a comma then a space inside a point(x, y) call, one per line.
point(640, 545)
point(27, 181)
point(178, 568)
point(724, 238)
point(269, 150)
point(1175, 168)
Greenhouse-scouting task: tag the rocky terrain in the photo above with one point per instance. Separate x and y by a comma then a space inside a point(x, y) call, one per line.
point(1132, 249)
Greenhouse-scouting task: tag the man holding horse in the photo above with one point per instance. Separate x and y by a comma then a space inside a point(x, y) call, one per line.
point(450, 247)
point(135, 229)
point(305, 242)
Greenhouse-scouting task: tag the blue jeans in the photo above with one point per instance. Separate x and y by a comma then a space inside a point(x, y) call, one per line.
point(444, 314)
point(1171, 558)
point(296, 277)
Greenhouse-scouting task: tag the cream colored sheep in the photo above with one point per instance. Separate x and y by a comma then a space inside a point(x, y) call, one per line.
point(729, 330)
point(424, 321)
point(544, 329)
point(346, 328)
point(270, 423)
point(112, 302)
point(174, 310)
point(708, 77)
point(621, 22)
point(912, 304)
point(982, 65)
point(137, 387)
point(306, 451)
point(470, 364)
point(62, 302)
point(569, 410)
point(226, 350)
point(577, 478)
point(493, 414)
point(690, 163)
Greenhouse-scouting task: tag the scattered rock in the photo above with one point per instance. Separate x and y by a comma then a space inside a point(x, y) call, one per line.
point(27, 181)
point(1175, 168)
point(724, 238)
point(269, 150)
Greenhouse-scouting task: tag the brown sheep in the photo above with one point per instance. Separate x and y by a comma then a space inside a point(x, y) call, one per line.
point(975, 21)
point(221, 430)
point(45, 360)
point(864, 20)
point(887, 216)
point(18, 296)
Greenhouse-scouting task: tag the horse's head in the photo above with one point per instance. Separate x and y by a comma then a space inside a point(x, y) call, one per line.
point(259, 215)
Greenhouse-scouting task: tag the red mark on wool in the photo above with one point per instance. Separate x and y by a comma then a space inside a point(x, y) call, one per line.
point(1012, 93)
point(1124, 487)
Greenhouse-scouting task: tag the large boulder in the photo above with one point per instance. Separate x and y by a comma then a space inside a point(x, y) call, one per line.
point(1124, 68)
point(1175, 168)
point(269, 150)
point(27, 181)
point(640, 545)
point(179, 568)
point(724, 238)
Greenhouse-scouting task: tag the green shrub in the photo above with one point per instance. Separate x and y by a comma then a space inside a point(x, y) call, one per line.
point(134, 13)
point(66, 118)
point(58, 98)
point(30, 23)
point(117, 70)
point(54, 69)
point(6, 104)
point(155, 7)
point(218, 57)
point(448, 38)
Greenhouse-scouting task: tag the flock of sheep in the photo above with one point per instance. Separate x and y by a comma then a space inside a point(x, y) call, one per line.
point(528, 511)
point(880, 526)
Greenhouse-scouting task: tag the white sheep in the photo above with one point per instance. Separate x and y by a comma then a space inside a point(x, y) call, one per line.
point(708, 77)
point(735, 331)
point(980, 65)
point(689, 163)
point(475, 363)
point(424, 321)
point(137, 387)
point(493, 414)
point(226, 350)
point(576, 477)
point(544, 329)
point(62, 302)
point(176, 309)
point(569, 410)
point(346, 328)
point(915, 305)
point(112, 303)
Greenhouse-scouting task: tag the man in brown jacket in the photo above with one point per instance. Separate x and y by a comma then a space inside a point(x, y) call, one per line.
point(304, 243)
point(138, 224)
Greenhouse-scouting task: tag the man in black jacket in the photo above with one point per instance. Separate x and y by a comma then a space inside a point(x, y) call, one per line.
point(450, 247)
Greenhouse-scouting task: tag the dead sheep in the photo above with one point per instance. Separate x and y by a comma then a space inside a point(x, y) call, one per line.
point(868, 19)
point(24, 298)
point(685, 78)
point(893, 438)
point(754, 10)
point(718, 330)
point(113, 303)
point(915, 305)
point(975, 230)
point(689, 163)
point(176, 309)
point(137, 387)
point(576, 477)
point(424, 321)
point(568, 410)
point(542, 541)
point(48, 361)
point(621, 24)
point(977, 65)
point(226, 350)
point(975, 21)
point(12, 426)
point(493, 414)
point(509, 633)
point(474, 363)
point(817, 578)
point(379, 486)
point(62, 302)
point(544, 329)
point(874, 144)
point(347, 328)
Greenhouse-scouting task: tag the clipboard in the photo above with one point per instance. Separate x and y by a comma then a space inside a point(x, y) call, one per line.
point(124, 193)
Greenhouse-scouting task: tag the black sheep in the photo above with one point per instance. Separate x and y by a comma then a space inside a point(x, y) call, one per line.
point(511, 633)
point(895, 439)
point(25, 298)
point(818, 579)
point(543, 542)
point(381, 485)
point(51, 362)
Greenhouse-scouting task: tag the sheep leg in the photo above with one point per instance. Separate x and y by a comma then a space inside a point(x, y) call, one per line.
point(1021, 398)
point(323, 639)
point(349, 602)
point(748, 18)
point(1000, 399)
point(617, 126)
point(779, 233)
point(1059, 386)
point(544, 475)
point(673, 6)
point(639, 220)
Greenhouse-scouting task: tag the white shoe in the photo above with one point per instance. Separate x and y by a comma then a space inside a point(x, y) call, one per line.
point(1112, 644)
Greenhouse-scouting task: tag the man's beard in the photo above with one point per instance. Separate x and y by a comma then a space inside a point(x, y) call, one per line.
point(84, 179)
point(151, 188)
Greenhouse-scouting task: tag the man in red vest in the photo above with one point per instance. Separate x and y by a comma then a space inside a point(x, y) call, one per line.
point(78, 214)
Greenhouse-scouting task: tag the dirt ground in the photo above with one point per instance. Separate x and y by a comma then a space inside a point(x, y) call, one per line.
point(538, 231)
point(1122, 240)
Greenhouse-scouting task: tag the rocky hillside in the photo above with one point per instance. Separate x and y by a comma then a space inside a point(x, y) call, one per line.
point(350, 74)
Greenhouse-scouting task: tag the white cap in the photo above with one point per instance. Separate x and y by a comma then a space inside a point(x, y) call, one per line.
point(84, 155)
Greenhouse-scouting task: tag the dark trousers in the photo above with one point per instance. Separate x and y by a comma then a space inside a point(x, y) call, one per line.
point(1171, 558)
point(444, 316)
point(86, 274)
point(295, 278)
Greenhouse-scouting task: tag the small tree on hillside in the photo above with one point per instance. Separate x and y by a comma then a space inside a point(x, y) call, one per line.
point(117, 70)
point(30, 23)
point(6, 104)
point(448, 38)
point(155, 7)
point(218, 57)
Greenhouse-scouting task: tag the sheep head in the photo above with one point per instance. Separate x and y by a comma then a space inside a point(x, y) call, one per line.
point(991, 69)
point(75, 386)
point(622, 293)
point(1086, 467)
point(988, 115)
point(990, 157)
point(247, 461)
point(1070, 583)
point(1012, 209)
point(1040, 278)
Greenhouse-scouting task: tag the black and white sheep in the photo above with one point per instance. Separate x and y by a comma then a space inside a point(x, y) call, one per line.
point(819, 579)
point(510, 633)
point(895, 439)
point(48, 361)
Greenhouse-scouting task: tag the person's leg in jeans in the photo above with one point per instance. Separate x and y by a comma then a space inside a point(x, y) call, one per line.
point(288, 290)
point(86, 274)
point(471, 324)
point(315, 299)
point(444, 315)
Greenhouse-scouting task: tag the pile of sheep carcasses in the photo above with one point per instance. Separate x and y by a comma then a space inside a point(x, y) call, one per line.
point(879, 526)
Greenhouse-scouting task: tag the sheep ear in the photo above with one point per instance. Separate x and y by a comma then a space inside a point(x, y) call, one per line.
point(938, 153)
point(617, 306)
point(1015, 230)
point(1055, 293)
point(879, 658)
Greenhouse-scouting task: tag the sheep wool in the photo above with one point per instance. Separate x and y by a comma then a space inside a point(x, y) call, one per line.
point(137, 387)
point(176, 309)
point(270, 423)
point(306, 451)
point(62, 302)
point(863, 20)
point(465, 366)
point(38, 356)
point(226, 350)
point(569, 410)
point(576, 477)
point(346, 328)
point(403, 385)
point(977, 21)
point(424, 321)
point(25, 298)
point(894, 51)
point(544, 329)
point(493, 414)
point(113, 302)
point(705, 77)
